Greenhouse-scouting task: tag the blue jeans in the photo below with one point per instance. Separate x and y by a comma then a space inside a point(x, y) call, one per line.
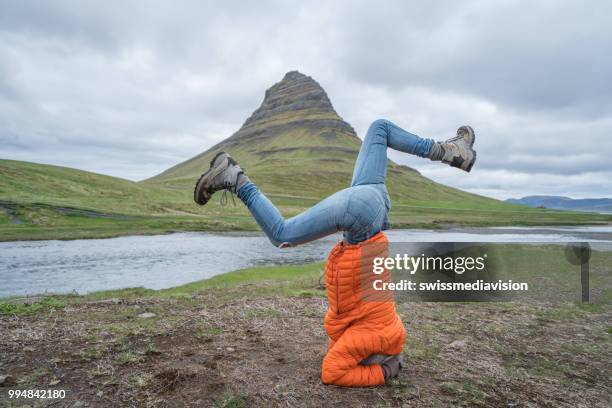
point(360, 211)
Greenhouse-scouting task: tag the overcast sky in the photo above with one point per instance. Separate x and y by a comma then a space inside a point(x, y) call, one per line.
point(131, 89)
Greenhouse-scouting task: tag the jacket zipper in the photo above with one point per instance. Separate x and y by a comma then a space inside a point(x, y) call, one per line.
point(337, 281)
point(335, 278)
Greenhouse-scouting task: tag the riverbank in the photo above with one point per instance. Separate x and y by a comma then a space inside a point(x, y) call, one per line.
point(85, 266)
point(30, 222)
point(255, 338)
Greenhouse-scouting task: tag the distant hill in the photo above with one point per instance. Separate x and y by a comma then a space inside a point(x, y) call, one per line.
point(600, 205)
point(296, 144)
point(25, 182)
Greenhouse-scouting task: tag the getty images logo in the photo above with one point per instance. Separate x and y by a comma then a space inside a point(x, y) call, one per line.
point(412, 264)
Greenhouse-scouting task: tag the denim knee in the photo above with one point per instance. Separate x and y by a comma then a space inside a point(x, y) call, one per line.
point(379, 125)
point(279, 238)
point(276, 236)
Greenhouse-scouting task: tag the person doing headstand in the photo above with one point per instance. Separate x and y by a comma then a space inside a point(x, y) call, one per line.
point(365, 338)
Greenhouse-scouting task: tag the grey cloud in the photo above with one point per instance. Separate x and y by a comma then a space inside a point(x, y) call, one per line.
point(526, 55)
point(133, 88)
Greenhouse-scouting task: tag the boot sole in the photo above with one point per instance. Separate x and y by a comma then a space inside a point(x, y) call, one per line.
point(469, 167)
point(471, 140)
point(210, 173)
point(471, 135)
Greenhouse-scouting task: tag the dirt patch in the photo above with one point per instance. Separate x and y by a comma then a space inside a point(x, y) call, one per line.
point(209, 351)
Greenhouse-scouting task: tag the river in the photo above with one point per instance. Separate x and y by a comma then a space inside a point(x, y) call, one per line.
point(162, 261)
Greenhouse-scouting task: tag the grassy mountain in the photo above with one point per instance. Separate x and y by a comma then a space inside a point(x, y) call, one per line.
point(24, 182)
point(294, 146)
point(40, 201)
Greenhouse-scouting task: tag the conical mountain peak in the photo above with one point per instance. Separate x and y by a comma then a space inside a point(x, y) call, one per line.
point(296, 93)
point(293, 145)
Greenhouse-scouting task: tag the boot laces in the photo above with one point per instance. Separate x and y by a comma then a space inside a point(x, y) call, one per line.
point(454, 139)
point(224, 200)
point(227, 188)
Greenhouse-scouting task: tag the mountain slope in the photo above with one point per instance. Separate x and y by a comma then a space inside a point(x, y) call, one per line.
point(26, 183)
point(296, 144)
point(39, 201)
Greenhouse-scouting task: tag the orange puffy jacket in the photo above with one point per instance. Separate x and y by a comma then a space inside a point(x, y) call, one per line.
point(359, 322)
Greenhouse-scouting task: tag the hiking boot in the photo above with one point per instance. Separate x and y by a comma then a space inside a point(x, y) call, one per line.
point(374, 359)
point(390, 364)
point(224, 174)
point(458, 151)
